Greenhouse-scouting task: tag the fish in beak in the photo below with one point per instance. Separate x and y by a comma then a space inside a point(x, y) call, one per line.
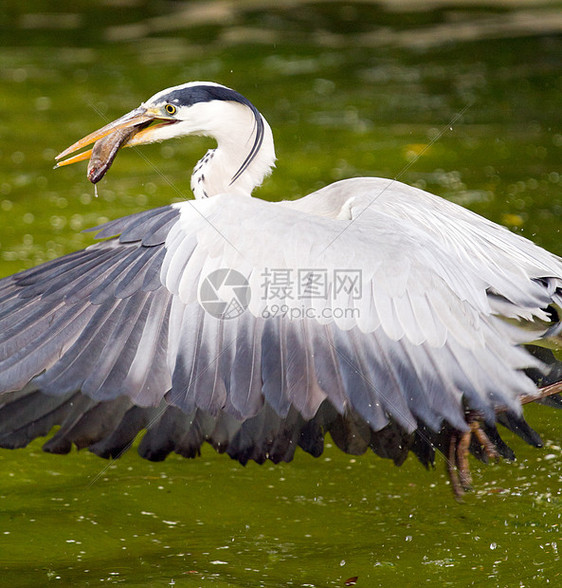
point(134, 128)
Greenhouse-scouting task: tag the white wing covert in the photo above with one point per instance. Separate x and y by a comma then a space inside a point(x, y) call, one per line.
point(414, 342)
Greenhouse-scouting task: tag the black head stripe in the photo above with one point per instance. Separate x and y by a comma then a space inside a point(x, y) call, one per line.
point(190, 95)
point(193, 94)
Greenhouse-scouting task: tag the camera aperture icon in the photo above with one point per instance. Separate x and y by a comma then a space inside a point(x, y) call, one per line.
point(225, 294)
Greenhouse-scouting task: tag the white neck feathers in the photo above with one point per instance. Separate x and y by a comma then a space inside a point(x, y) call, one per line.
point(244, 156)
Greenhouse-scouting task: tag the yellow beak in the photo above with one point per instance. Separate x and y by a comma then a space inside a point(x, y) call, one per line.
point(116, 134)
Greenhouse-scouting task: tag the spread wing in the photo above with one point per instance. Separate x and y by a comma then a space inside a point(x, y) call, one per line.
point(369, 310)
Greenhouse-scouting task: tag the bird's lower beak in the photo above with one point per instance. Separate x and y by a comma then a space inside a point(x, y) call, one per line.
point(138, 124)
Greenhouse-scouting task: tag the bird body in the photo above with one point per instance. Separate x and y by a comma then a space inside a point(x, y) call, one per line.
point(369, 309)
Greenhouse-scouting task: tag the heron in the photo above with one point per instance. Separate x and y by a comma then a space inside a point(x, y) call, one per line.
point(384, 315)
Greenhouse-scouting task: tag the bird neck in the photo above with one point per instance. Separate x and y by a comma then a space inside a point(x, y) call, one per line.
point(218, 172)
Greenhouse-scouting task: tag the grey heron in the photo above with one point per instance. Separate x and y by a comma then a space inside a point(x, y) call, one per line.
point(371, 310)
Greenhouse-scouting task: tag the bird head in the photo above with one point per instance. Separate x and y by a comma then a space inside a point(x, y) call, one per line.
point(194, 108)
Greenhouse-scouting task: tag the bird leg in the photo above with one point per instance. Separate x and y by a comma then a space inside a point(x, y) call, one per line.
point(458, 467)
point(459, 444)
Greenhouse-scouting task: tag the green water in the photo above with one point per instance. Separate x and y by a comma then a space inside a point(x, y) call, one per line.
point(350, 88)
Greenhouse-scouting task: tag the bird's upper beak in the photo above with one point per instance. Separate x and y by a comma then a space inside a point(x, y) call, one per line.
point(134, 128)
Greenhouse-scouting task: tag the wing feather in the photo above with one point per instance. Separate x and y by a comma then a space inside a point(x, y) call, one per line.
point(111, 340)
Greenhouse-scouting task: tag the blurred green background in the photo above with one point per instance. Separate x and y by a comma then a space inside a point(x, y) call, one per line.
point(349, 88)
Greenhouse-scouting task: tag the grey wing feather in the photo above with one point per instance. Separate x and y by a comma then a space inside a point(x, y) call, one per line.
point(245, 382)
point(112, 340)
point(127, 228)
point(273, 361)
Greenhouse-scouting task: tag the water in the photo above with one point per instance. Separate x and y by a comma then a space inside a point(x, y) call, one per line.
point(349, 89)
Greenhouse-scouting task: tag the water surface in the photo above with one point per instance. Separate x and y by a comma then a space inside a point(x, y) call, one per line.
point(463, 101)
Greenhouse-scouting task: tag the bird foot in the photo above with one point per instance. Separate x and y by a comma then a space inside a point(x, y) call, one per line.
point(457, 462)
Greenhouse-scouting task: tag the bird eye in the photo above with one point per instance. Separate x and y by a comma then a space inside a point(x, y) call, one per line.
point(170, 109)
